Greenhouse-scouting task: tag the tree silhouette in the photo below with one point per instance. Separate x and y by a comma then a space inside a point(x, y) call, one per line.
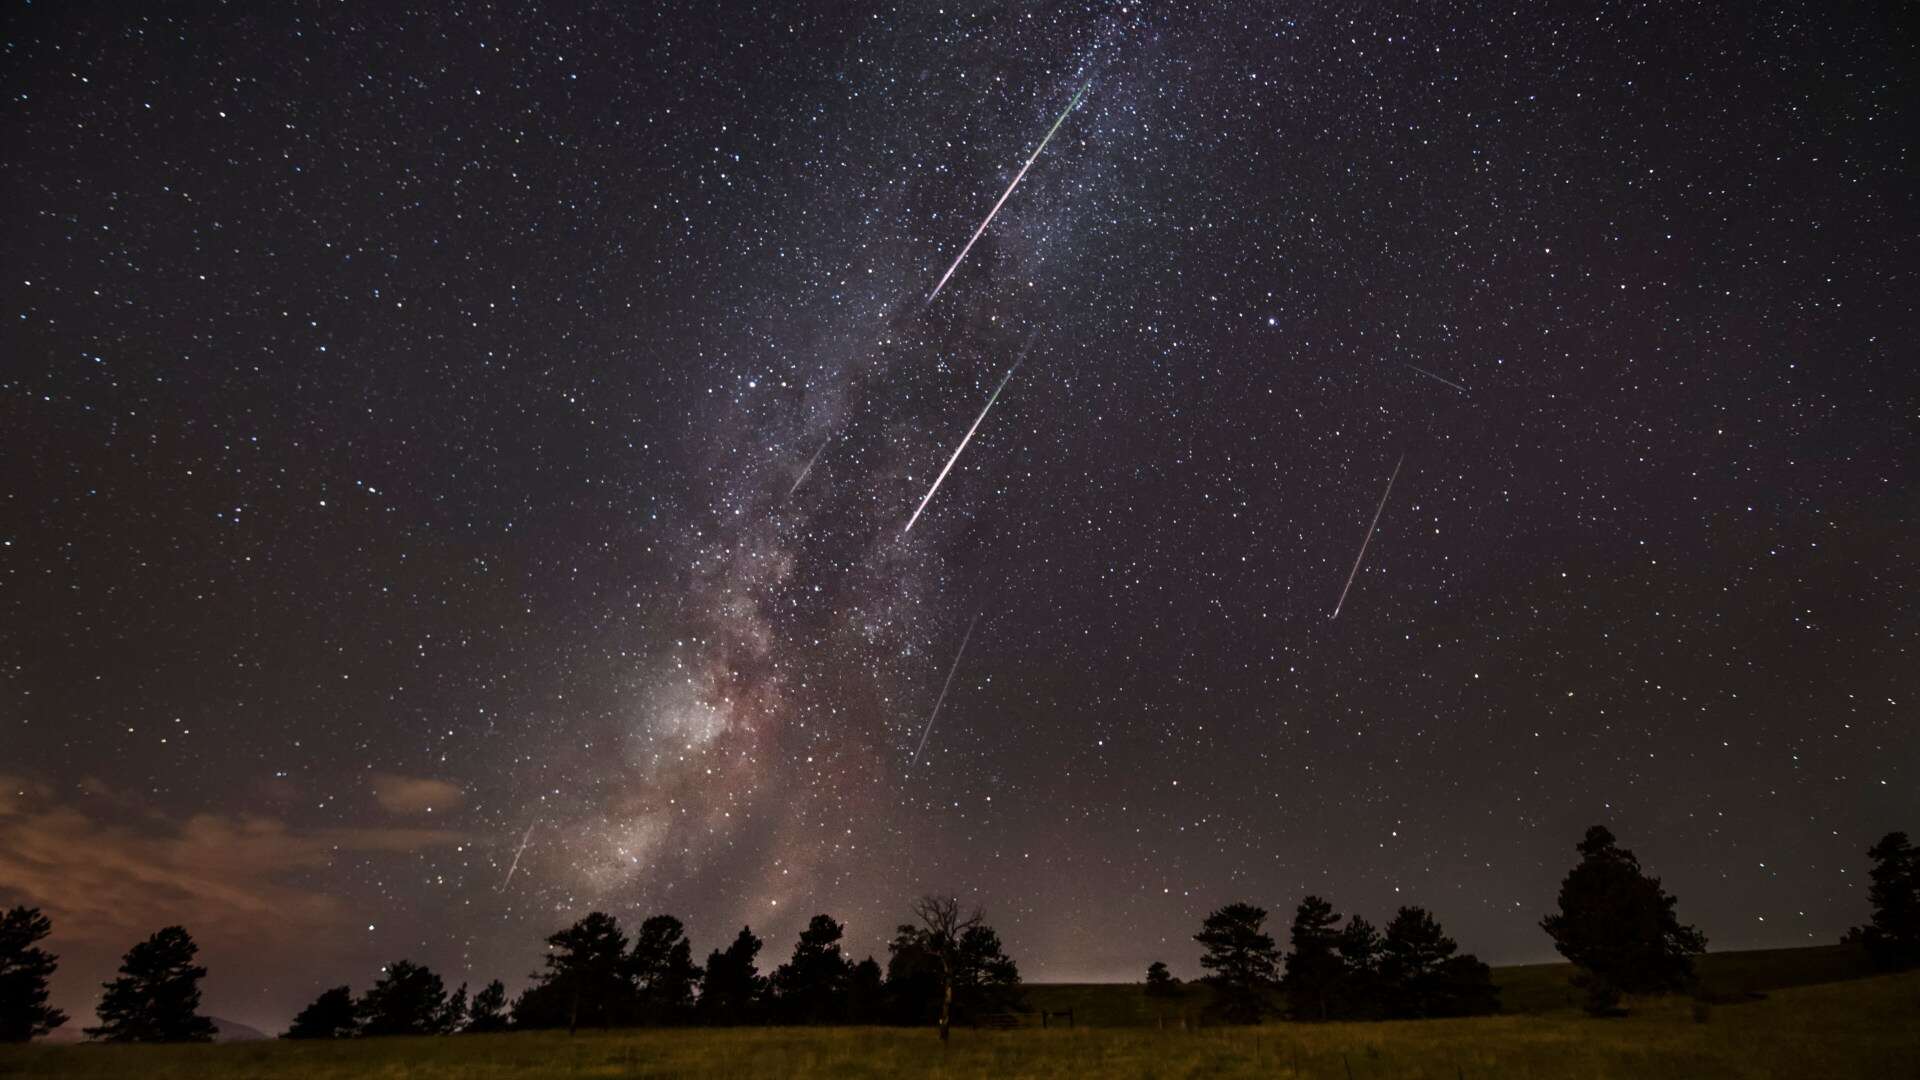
point(1465, 987)
point(662, 971)
point(1360, 992)
point(331, 1016)
point(488, 1012)
point(923, 967)
point(1314, 970)
point(1411, 956)
point(941, 929)
point(586, 981)
point(866, 993)
point(1240, 958)
point(1892, 939)
point(24, 971)
point(1619, 928)
point(453, 1018)
point(812, 986)
point(733, 987)
point(408, 999)
point(1422, 976)
point(985, 978)
point(1160, 982)
point(915, 981)
point(156, 998)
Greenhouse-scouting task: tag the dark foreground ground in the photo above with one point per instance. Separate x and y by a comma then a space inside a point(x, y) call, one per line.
point(1858, 1027)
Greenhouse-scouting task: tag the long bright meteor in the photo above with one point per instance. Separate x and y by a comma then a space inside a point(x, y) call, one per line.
point(1003, 196)
point(1437, 378)
point(1363, 544)
point(517, 854)
point(802, 478)
point(938, 480)
point(944, 687)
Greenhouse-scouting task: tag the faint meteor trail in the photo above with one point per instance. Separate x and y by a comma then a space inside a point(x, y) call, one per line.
point(802, 478)
point(995, 396)
point(944, 687)
point(517, 854)
point(1003, 196)
point(1363, 544)
point(1437, 378)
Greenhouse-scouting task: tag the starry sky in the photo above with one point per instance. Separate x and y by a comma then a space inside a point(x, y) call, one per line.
point(408, 544)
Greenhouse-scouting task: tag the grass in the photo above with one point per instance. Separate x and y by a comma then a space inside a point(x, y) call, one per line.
point(1543, 987)
point(1858, 1028)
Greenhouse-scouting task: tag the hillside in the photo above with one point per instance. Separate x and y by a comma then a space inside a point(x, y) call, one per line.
point(73, 1031)
point(1527, 988)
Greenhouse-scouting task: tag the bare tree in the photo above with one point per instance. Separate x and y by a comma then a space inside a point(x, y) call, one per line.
point(940, 916)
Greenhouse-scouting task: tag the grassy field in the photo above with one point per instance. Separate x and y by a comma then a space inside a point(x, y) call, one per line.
point(1863, 1027)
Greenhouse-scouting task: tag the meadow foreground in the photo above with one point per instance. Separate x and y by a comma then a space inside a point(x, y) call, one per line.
point(1859, 1028)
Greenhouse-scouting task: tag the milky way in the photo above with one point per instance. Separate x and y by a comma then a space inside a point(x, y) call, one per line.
point(420, 424)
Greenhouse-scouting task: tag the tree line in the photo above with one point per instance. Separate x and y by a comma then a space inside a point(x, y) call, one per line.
point(946, 966)
point(1614, 923)
point(1331, 972)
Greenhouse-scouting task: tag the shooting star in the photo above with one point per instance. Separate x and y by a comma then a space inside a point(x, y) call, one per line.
point(802, 478)
point(1017, 177)
point(1363, 544)
point(517, 854)
point(944, 687)
point(991, 398)
point(1437, 378)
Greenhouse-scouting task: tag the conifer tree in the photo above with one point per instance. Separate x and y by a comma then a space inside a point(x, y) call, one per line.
point(1618, 927)
point(156, 998)
point(25, 969)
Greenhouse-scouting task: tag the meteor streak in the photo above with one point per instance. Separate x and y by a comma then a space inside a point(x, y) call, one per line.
point(517, 854)
point(1437, 378)
point(944, 687)
point(995, 396)
point(802, 478)
point(1369, 539)
point(1003, 197)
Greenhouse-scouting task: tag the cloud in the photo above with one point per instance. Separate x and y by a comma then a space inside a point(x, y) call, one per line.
point(107, 872)
point(415, 794)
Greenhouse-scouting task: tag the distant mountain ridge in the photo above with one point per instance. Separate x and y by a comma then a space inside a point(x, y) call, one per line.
point(223, 1031)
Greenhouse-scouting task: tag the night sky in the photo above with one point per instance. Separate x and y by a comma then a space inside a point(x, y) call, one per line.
point(401, 413)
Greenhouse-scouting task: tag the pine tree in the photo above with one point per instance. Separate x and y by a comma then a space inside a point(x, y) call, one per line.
point(1359, 995)
point(331, 1016)
point(408, 999)
point(1160, 981)
point(1240, 958)
point(915, 978)
point(812, 986)
point(733, 988)
point(24, 971)
point(588, 978)
point(1892, 939)
point(866, 993)
point(1465, 987)
point(453, 1018)
point(662, 971)
point(1618, 927)
point(1411, 958)
point(489, 1010)
point(985, 978)
point(1314, 969)
point(157, 995)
